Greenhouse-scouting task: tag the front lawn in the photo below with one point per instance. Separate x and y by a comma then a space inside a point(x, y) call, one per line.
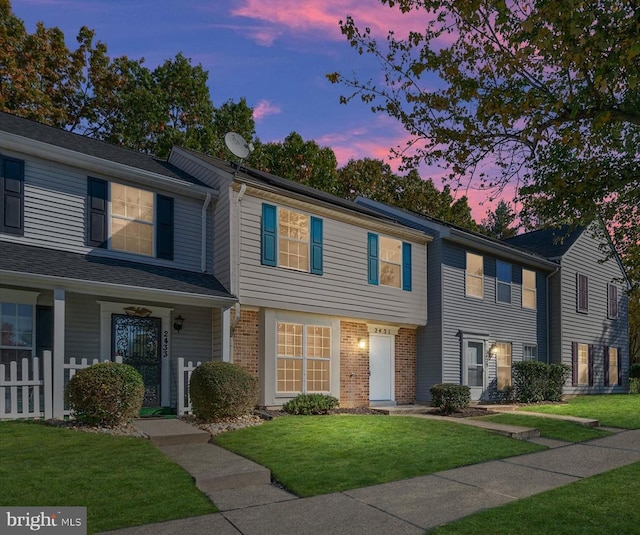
point(313, 455)
point(613, 410)
point(605, 504)
point(121, 481)
point(550, 428)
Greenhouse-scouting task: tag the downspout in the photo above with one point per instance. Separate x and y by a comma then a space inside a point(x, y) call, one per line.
point(203, 259)
point(236, 319)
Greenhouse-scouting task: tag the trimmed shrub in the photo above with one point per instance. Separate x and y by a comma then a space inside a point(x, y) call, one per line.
point(449, 397)
point(310, 404)
point(529, 380)
point(105, 394)
point(557, 375)
point(222, 390)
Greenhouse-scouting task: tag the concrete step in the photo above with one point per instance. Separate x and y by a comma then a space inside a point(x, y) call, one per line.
point(514, 431)
point(403, 409)
point(170, 431)
point(215, 468)
point(587, 422)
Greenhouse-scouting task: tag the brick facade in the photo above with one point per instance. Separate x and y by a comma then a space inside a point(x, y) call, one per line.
point(405, 366)
point(354, 366)
point(246, 340)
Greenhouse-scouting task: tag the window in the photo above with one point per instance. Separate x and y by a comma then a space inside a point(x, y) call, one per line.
point(529, 292)
point(529, 352)
point(503, 277)
point(11, 196)
point(16, 336)
point(582, 285)
point(303, 358)
point(291, 240)
point(389, 262)
point(612, 375)
point(503, 362)
point(134, 221)
point(475, 276)
point(581, 364)
point(612, 301)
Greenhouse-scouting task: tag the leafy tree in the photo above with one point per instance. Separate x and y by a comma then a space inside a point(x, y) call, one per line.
point(634, 325)
point(498, 222)
point(298, 160)
point(543, 95)
point(119, 100)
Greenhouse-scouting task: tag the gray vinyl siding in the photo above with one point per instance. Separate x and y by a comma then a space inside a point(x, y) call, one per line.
point(585, 257)
point(82, 326)
point(54, 215)
point(486, 318)
point(429, 338)
point(222, 228)
point(342, 290)
point(555, 318)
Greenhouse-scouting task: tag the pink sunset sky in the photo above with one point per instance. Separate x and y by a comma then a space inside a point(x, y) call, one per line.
point(273, 53)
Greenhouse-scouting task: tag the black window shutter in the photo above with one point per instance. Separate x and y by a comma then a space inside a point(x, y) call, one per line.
point(574, 363)
point(164, 230)
point(591, 350)
point(619, 366)
point(97, 195)
point(607, 379)
point(12, 196)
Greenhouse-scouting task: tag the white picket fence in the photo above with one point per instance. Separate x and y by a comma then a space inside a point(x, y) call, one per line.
point(26, 391)
point(185, 369)
point(29, 389)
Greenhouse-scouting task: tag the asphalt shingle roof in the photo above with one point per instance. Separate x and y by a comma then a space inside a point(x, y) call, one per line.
point(50, 262)
point(550, 242)
point(86, 145)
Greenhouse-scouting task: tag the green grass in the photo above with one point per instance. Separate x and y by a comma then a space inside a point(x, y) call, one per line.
point(550, 428)
point(121, 481)
point(605, 504)
point(313, 455)
point(612, 410)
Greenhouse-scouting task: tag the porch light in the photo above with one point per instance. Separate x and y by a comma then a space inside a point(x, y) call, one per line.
point(362, 343)
point(177, 323)
point(493, 350)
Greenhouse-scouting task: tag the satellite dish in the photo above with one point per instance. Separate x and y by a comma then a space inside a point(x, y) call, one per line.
point(237, 145)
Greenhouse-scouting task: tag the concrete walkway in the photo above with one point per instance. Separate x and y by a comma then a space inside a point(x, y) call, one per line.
point(409, 506)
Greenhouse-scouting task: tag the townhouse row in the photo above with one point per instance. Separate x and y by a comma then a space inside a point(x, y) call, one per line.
point(106, 253)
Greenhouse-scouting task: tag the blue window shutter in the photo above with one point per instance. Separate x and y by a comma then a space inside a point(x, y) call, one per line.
point(12, 196)
point(164, 228)
point(316, 246)
point(372, 249)
point(97, 193)
point(406, 266)
point(269, 235)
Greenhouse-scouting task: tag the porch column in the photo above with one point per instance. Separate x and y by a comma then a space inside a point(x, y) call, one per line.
point(226, 335)
point(58, 351)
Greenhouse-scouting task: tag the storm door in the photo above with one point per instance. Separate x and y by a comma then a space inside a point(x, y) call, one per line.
point(474, 368)
point(136, 340)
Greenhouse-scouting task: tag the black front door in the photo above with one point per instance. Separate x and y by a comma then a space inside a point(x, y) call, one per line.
point(136, 340)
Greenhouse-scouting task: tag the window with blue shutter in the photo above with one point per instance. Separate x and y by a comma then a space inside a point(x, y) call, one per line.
point(406, 266)
point(372, 252)
point(12, 196)
point(316, 246)
point(164, 230)
point(269, 235)
point(97, 194)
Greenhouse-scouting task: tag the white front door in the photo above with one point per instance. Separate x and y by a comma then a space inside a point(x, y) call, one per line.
point(475, 369)
point(380, 368)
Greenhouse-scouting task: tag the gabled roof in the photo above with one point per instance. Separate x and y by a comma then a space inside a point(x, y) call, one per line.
point(455, 233)
point(549, 242)
point(92, 147)
point(22, 259)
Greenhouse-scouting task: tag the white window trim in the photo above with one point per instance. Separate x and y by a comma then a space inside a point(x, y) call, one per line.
point(154, 224)
point(533, 289)
point(380, 261)
point(280, 238)
point(509, 284)
point(524, 356)
point(473, 275)
point(21, 297)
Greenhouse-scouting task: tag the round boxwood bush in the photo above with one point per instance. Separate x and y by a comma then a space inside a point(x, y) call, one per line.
point(222, 390)
point(105, 394)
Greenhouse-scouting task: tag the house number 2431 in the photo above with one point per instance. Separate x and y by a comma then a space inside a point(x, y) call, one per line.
point(381, 330)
